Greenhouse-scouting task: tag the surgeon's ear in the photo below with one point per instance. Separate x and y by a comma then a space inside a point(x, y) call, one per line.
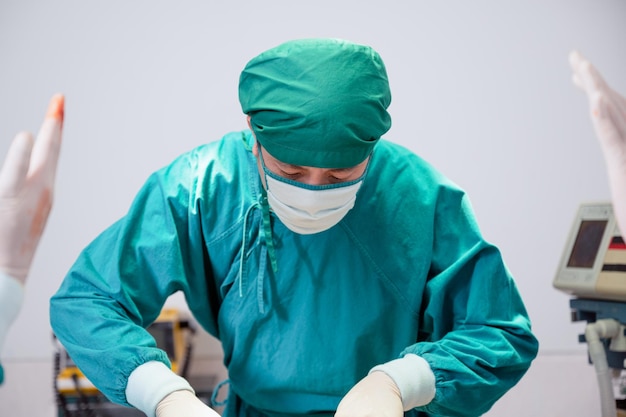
point(255, 149)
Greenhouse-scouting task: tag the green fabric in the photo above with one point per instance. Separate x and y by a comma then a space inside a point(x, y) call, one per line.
point(406, 270)
point(317, 102)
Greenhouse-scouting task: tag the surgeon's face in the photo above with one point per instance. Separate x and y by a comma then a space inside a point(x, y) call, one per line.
point(304, 174)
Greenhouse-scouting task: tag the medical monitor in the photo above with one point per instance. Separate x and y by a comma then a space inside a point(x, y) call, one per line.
point(593, 263)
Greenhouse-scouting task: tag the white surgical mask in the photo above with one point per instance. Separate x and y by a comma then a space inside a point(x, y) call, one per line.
point(308, 209)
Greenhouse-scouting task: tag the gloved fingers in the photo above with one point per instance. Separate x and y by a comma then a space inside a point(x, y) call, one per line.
point(575, 58)
point(16, 163)
point(48, 144)
point(586, 75)
point(588, 78)
point(607, 107)
point(577, 82)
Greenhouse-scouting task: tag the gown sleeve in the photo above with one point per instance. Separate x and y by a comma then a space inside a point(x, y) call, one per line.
point(120, 282)
point(475, 331)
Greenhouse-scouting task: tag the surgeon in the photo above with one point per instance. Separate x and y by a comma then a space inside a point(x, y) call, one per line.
point(608, 115)
point(341, 272)
point(26, 194)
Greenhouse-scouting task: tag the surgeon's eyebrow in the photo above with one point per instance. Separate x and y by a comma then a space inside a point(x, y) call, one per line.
point(285, 165)
point(300, 167)
point(288, 165)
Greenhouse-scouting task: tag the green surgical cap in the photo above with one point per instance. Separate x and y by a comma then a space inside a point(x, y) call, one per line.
point(317, 102)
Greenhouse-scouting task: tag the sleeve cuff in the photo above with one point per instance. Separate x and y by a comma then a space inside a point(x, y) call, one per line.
point(11, 298)
point(149, 383)
point(414, 378)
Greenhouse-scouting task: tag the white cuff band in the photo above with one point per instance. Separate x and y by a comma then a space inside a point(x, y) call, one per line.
point(414, 378)
point(149, 383)
point(11, 297)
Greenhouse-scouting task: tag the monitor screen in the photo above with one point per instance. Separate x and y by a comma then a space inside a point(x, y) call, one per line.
point(587, 243)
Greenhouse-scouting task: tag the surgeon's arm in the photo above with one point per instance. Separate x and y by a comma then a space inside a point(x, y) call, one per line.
point(474, 340)
point(118, 286)
point(475, 332)
point(608, 114)
point(26, 191)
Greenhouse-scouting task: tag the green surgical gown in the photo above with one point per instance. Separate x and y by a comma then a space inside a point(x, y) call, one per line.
point(405, 271)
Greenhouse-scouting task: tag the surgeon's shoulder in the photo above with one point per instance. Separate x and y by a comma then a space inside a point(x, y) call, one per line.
point(399, 160)
point(225, 153)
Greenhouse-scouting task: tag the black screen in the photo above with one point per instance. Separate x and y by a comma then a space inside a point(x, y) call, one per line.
point(587, 243)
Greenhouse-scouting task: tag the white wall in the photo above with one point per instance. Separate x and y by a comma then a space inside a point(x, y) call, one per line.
point(480, 88)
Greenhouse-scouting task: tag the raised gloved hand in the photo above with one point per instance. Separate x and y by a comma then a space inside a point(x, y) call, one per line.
point(608, 113)
point(376, 395)
point(26, 191)
point(184, 403)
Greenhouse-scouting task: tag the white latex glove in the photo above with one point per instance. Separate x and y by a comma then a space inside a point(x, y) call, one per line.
point(376, 395)
point(184, 403)
point(608, 114)
point(26, 191)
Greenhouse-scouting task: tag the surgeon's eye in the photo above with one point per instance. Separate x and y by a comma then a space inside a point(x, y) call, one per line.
point(290, 175)
point(333, 179)
point(340, 175)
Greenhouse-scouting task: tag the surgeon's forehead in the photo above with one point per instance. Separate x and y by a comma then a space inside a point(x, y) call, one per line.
point(299, 167)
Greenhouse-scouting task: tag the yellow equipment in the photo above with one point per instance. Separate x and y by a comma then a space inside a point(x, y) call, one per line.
point(77, 396)
point(171, 331)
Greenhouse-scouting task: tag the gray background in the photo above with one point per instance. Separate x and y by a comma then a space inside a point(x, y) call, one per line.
point(481, 89)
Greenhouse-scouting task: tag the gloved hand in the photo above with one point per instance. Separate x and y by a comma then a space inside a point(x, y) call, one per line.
point(184, 403)
point(26, 191)
point(608, 113)
point(376, 395)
